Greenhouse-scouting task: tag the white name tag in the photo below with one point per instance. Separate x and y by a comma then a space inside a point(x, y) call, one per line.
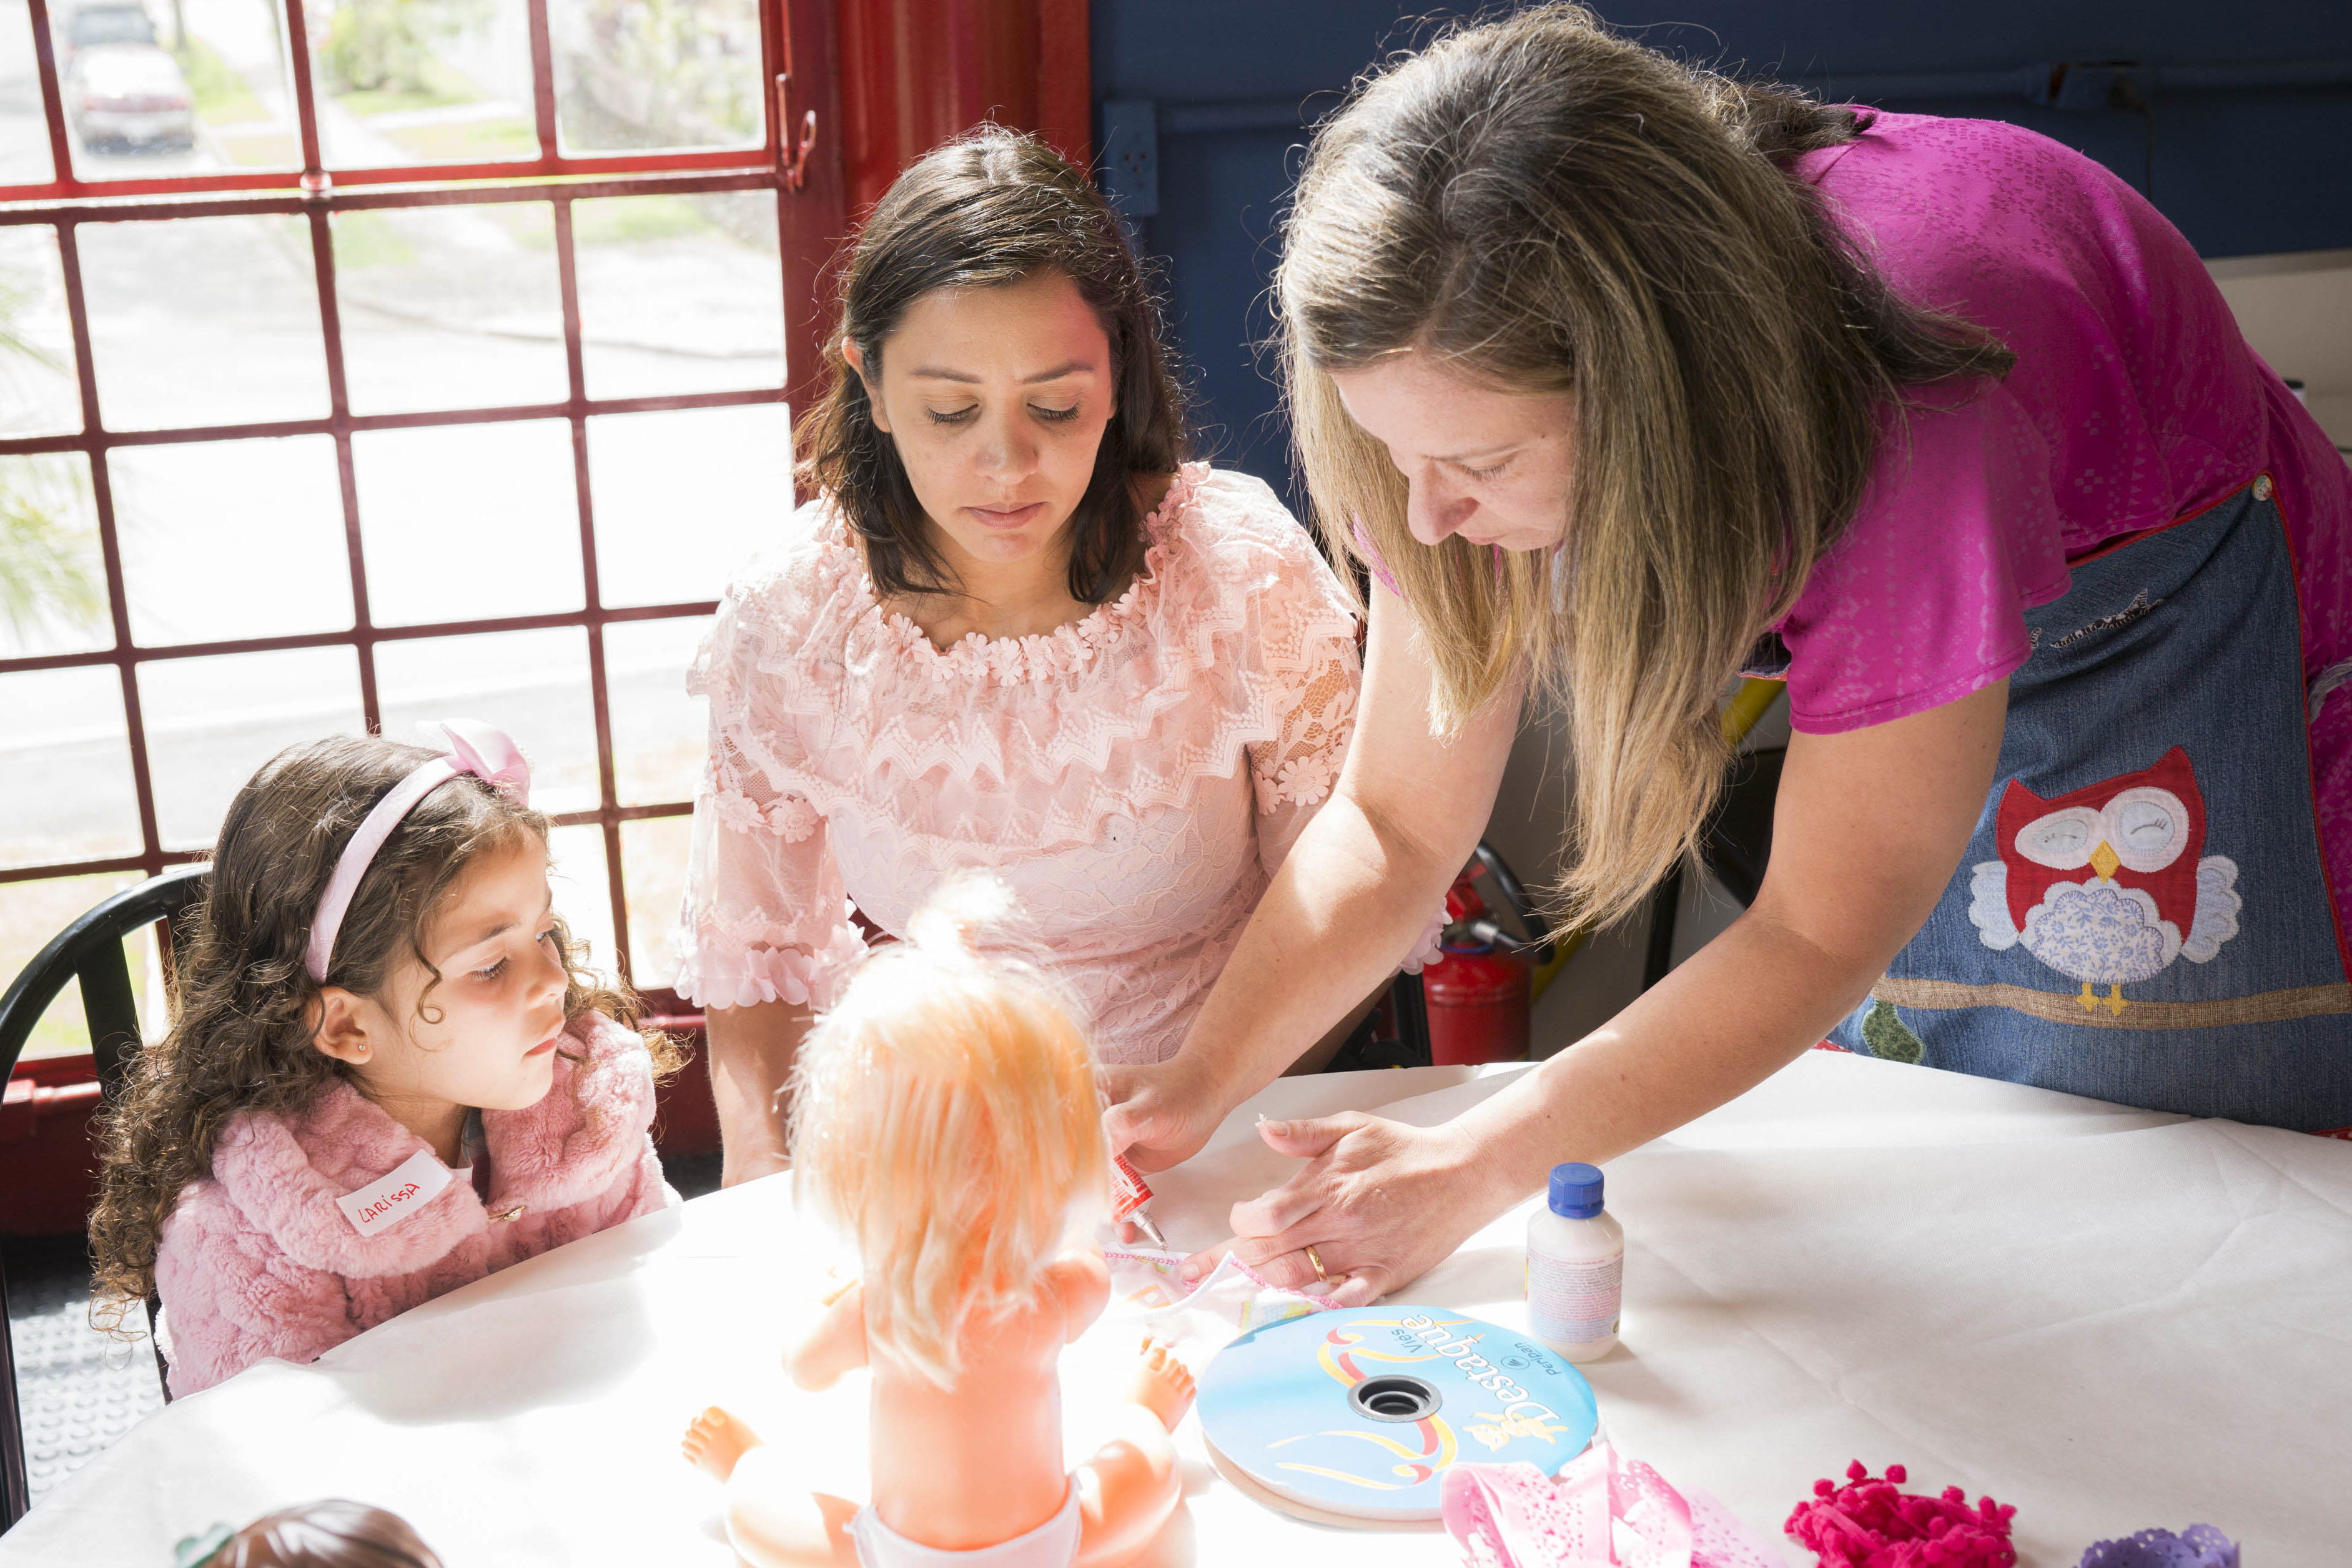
point(385, 1203)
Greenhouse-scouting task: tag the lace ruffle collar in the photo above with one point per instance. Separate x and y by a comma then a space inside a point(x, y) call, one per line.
point(1010, 661)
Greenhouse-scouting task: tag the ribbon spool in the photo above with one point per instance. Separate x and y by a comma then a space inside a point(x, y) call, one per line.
point(1354, 1416)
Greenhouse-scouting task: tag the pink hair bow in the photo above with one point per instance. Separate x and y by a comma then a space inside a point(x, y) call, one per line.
point(489, 754)
point(483, 750)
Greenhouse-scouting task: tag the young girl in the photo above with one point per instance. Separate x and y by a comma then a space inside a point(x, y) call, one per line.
point(386, 1078)
point(946, 1123)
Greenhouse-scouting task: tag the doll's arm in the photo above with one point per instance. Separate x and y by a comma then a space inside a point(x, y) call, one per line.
point(838, 1343)
point(1082, 1279)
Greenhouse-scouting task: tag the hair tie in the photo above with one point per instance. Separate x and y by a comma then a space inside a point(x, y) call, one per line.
point(471, 747)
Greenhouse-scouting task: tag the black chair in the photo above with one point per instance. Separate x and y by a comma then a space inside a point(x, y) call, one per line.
point(90, 951)
point(1737, 844)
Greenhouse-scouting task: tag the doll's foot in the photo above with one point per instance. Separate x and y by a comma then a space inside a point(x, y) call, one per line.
point(716, 1441)
point(1163, 1385)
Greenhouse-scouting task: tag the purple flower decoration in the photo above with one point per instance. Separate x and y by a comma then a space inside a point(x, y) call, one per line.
point(2198, 1546)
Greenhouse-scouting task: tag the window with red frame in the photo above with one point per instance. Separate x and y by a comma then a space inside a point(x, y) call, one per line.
point(368, 361)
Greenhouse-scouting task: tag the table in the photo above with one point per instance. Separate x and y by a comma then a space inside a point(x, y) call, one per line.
point(2109, 1318)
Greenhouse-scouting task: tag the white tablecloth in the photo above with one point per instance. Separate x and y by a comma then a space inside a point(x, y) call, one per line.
point(2110, 1319)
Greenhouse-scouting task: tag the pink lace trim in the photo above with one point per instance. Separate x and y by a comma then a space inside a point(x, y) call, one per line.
point(1430, 946)
point(1604, 1510)
point(742, 975)
point(1311, 763)
point(1045, 655)
point(1153, 762)
point(791, 818)
point(1234, 639)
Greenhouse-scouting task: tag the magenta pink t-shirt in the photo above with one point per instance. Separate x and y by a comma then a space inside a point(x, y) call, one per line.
point(2135, 401)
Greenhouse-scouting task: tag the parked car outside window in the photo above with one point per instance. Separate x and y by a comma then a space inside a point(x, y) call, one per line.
point(129, 95)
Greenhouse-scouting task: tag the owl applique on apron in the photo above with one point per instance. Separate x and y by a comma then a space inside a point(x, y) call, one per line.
point(2146, 898)
point(2142, 915)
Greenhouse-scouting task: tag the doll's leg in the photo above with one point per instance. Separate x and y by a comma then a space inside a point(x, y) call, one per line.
point(771, 1522)
point(1130, 1486)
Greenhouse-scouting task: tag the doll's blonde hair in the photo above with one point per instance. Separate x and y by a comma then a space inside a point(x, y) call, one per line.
point(946, 1122)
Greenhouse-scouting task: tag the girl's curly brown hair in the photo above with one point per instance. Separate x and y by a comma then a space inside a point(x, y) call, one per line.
point(241, 1035)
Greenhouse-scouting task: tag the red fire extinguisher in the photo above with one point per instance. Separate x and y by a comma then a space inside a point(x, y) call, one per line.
point(1478, 991)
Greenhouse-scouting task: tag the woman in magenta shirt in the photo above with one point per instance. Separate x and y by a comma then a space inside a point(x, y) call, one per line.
point(1622, 379)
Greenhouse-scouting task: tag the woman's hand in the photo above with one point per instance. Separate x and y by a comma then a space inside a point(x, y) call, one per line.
point(1380, 1202)
point(1348, 902)
point(1162, 1114)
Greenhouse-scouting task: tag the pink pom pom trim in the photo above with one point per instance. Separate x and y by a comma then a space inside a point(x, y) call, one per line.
point(1869, 1523)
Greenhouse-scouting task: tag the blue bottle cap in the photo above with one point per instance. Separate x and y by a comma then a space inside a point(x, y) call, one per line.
point(1576, 1190)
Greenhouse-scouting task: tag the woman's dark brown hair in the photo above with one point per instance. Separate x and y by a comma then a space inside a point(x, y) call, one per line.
point(992, 208)
point(241, 1032)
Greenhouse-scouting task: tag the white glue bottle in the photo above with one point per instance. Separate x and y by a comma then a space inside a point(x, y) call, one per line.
point(1576, 1267)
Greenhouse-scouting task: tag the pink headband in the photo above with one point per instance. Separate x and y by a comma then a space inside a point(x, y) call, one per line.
point(474, 747)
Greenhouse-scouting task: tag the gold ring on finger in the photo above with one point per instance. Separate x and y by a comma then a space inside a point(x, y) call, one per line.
point(1318, 1263)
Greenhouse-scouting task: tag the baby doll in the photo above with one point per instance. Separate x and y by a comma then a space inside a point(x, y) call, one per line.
point(334, 1534)
point(946, 1122)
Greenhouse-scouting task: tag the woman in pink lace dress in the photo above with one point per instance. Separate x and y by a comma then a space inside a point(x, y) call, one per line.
point(1012, 630)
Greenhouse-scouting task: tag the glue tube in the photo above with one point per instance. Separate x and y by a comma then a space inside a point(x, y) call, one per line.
point(1576, 1267)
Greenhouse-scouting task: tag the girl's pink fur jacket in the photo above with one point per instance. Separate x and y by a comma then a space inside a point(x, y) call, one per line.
point(258, 1260)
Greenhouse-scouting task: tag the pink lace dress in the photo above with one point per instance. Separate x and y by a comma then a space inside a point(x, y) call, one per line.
point(1135, 777)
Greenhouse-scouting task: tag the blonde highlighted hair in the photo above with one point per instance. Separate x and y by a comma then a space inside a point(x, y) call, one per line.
point(946, 1123)
point(1542, 207)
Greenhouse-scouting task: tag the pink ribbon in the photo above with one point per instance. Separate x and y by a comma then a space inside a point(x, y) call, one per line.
point(483, 750)
point(1603, 1510)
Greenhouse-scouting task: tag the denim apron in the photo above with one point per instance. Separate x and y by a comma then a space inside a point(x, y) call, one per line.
point(2142, 915)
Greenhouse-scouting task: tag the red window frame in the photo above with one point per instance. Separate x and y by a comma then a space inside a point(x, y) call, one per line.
point(802, 167)
point(858, 90)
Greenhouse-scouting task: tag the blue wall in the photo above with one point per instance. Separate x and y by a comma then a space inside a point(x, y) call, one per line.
point(2241, 171)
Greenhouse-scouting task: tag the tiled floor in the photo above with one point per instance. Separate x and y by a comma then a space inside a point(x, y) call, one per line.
point(77, 1389)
